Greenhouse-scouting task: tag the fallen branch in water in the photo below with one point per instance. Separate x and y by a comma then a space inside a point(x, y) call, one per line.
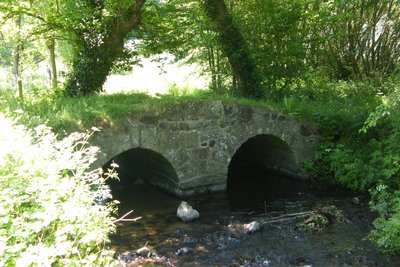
point(287, 217)
point(122, 219)
point(315, 220)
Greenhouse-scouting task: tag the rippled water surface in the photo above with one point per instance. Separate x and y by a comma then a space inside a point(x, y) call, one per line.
point(215, 239)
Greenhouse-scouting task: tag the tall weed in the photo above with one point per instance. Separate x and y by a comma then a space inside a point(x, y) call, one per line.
point(50, 208)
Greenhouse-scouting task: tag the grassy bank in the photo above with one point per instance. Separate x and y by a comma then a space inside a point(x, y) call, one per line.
point(81, 113)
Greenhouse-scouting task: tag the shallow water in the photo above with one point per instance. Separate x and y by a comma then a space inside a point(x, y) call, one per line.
point(216, 240)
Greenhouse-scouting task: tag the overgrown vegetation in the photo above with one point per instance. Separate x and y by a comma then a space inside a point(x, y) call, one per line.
point(358, 146)
point(66, 114)
point(334, 64)
point(360, 150)
point(51, 213)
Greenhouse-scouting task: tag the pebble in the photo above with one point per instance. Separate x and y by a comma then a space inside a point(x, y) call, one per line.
point(144, 251)
point(355, 201)
point(183, 251)
point(252, 227)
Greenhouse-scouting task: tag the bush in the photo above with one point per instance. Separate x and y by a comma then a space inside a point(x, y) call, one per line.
point(367, 158)
point(385, 193)
point(50, 208)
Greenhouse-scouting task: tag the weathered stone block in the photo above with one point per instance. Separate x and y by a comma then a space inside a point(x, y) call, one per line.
point(173, 114)
point(245, 113)
point(191, 139)
point(230, 111)
point(199, 139)
point(151, 119)
point(201, 109)
point(148, 137)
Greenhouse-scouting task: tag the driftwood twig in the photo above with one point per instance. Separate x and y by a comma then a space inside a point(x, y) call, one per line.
point(287, 217)
point(122, 219)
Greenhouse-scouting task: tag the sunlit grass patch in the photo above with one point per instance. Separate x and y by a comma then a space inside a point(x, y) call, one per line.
point(66, 114)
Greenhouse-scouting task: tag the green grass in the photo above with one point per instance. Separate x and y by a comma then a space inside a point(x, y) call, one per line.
point(102, 110)
point(107, 110)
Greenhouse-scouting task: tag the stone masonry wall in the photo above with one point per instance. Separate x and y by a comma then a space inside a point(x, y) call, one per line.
point(199, 139)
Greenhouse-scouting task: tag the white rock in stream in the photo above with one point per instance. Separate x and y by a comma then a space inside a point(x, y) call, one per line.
point(186, 213)
point(252, 227)
point(144, 251)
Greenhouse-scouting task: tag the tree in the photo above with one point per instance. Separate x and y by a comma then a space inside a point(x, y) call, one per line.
point(235, 48)
point(276, 40)
point(356, 39)
point(99, 47)
point(17, 58)
point(96, 29)
point(33, 21)
point(51, 46)
point(182, 29)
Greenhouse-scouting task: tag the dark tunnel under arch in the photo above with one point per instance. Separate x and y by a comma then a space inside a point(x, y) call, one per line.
point(141, 165)
point(263, 169)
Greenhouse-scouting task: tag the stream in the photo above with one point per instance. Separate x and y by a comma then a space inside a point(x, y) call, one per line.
point(216, 238)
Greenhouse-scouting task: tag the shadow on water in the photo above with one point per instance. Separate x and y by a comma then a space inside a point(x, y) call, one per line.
point(213, 239)
point(250, 188)
point(254, 193)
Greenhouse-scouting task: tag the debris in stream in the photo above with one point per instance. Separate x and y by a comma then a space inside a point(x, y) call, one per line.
point(315, 220)
point(322, 217)
point(140, 258)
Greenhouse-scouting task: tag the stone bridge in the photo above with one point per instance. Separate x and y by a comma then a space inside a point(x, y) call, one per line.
point(188, 148)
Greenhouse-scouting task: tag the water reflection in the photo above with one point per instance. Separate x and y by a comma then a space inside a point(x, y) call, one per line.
point(251, 187)
point(144, 199)
point(214, 243)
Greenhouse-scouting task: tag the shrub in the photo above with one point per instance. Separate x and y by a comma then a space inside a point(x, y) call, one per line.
point(50, 213)
point(385, 193)
point(367, 158)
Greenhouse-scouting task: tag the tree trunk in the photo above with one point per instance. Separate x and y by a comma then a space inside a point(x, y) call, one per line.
point(235, 49)
point(51, 46)
point(94, 62)
point(211, 63)
point(219, 70)
point(17, 61)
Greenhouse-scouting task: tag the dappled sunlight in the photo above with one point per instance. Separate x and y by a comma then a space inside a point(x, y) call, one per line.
point(156, 78)
point(256, 113)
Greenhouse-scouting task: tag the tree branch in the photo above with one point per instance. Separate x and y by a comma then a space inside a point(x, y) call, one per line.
point(122, 219)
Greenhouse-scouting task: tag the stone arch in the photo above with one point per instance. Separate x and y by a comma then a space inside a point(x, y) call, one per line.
point(199, 139)
point(142, 165)
point(263, 168)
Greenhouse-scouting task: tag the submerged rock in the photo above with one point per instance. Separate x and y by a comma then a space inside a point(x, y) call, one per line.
point(186, 213)
point(183, 251)
point(144, 251)
point(356, 200)
point(252, 227)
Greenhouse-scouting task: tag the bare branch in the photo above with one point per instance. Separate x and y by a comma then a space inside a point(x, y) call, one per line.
point(122, 219)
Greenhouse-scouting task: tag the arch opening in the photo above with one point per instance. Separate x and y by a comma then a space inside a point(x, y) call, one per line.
point(262, 170)
point(141, 173)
